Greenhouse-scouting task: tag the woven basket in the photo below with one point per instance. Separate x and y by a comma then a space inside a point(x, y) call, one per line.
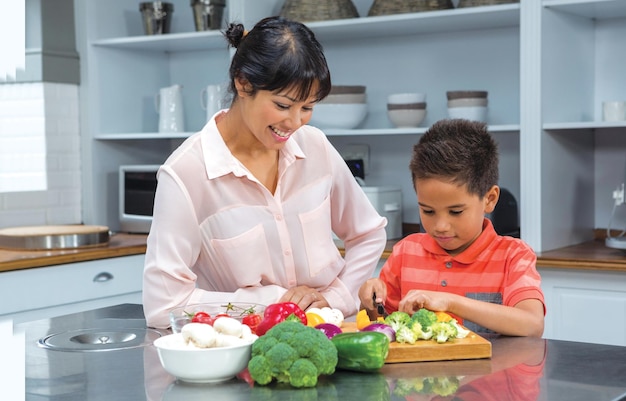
point(318, 10)
point(386, 7)
point(477, 3)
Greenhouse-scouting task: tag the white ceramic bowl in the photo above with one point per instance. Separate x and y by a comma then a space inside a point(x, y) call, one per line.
point(406, 118)
point(475, 113)
point(477, 101)
point(201, 365)
point(182, 315)
point(466, 94)
point(400, 98)
point(334, 115)
point(345, 98)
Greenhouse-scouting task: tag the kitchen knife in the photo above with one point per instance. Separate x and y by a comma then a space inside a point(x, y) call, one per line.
point(380, 308)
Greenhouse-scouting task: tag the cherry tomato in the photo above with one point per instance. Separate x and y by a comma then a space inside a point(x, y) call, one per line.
point(202, 317)
point(252, 320)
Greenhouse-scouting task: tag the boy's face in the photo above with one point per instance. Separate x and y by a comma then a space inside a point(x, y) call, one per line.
point(450, 214)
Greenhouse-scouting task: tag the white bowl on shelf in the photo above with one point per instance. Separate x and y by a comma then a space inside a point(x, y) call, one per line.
point(338, 115)
point(406, 118)
point(402, 98)
point(473, 113)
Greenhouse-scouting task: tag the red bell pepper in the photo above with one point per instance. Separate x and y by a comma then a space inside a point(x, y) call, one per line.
point(276, 313)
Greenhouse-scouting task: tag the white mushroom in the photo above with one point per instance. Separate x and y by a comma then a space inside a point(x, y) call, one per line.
point(228, 325)
point(200, 335)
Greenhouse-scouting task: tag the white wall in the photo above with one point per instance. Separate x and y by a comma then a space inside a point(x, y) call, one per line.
point(60, 201)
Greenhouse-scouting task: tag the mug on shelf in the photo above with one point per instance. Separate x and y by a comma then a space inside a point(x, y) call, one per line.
point(169, 105)
point(614, 110)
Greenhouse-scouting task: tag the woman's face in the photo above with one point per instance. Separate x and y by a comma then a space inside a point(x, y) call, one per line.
point(452, 215)
point(272, 117)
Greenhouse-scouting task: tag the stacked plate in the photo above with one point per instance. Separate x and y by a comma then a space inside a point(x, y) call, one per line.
point(406, 110)
point(468, 104)
point(345, 107)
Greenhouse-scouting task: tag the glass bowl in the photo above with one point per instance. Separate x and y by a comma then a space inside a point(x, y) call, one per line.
point(182, 315)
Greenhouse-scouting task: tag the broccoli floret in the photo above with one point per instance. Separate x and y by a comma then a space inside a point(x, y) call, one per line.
point(462, 332)
point(397, 320)
point(443, 331)
point(303, 373)
point(420, 334)
point(293, 353)
point(405, 335)
point(425, 318)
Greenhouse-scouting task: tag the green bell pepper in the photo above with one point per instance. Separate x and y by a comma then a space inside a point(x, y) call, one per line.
point(361, 351)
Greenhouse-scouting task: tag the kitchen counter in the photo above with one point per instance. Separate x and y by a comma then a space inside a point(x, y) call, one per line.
point(592, 255)
point(520, 369)
point(118, 245)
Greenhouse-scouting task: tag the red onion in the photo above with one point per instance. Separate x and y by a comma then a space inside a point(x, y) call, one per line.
point(329, 329)
point(382, 328)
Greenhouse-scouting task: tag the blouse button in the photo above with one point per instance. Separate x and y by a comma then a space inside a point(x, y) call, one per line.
point(448, 265)
point(444, 283)
point(279, 217)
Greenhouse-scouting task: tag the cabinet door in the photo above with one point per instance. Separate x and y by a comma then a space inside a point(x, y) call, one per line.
point(585, 306)
point(55, 290)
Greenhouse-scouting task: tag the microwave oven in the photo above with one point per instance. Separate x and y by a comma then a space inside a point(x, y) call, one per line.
point(137, 186)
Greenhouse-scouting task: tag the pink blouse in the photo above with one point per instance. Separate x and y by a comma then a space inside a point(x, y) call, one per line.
point(219, 235)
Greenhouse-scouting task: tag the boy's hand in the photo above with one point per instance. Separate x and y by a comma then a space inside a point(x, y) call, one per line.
point(418, 299)
point(367, 290)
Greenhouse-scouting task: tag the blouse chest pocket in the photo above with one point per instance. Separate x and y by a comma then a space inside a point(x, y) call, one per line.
point(245, 258)
point(321, 251)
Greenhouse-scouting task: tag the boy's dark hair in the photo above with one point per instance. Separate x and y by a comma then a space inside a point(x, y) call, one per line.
point(278, 54)
point(459, 151)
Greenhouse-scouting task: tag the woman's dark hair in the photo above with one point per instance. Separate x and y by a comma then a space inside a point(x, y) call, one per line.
point(459, 151)
point(278, 54)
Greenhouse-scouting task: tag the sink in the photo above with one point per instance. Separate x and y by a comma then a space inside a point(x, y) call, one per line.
point(96, 340)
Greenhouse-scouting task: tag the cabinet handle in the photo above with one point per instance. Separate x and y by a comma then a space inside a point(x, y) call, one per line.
point(103, 277)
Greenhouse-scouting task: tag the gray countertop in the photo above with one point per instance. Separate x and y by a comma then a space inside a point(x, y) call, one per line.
point(520, 369)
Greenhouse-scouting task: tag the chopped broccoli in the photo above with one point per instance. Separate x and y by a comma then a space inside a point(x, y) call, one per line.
point(445, 386)
point(462, 332)
point(443, 331)
point(425, 318)
point(397, 320)
point(293, 353)
point(420, 333)
point(405, 335)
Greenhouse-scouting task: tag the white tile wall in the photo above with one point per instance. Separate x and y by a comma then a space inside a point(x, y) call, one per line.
point(39, 154)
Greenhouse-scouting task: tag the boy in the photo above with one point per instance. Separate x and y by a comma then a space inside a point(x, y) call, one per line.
point(460, 265)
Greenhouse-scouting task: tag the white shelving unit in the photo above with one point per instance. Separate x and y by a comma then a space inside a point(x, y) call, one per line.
point(547, 66)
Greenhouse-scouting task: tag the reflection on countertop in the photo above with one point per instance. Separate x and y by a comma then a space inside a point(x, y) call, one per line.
point(521, 368)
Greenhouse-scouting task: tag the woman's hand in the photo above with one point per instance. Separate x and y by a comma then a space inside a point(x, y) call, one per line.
point(305, 297)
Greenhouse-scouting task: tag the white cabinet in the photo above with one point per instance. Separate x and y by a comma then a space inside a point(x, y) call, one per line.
point(587, 306)
point(39, 293)
point(546, 64)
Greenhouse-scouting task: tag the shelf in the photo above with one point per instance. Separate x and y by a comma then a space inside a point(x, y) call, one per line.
point(596, 9)
point(462, 19)
point(171, 42)
point(126, 136)
point(584, 125)
point(328, 131)
point(405, 131)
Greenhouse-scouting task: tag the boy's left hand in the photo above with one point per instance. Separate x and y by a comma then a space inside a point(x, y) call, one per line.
point(432, 300)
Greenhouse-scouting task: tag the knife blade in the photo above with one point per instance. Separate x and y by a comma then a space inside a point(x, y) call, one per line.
point(380, 308)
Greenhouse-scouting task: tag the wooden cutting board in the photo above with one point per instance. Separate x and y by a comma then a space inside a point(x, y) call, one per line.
point(471, 347)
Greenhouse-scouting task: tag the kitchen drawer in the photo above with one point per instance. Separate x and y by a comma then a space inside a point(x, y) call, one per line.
point(82, 282)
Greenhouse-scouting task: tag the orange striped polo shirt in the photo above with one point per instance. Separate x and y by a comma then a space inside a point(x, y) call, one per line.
point(494, 268)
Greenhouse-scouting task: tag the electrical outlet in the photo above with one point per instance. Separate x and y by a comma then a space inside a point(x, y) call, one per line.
point(358, 151)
